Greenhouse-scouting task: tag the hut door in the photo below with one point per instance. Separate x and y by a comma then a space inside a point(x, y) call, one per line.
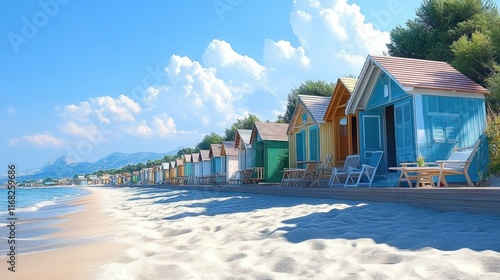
point(371, 137)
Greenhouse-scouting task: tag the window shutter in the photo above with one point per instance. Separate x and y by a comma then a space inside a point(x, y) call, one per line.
point(404, 137)
point(300, 146)
point(313, 143)
point(451, 133)
point(438, 129)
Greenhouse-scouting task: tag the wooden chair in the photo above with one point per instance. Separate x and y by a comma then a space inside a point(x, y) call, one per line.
point(368, 170)
point(350, 161)
point(458, 163)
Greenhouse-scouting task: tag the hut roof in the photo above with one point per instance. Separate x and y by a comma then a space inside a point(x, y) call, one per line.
point(410, 75)
point(340, 97)
point(228, 149)
point(242, 136)
point(315, 106)
point(195, 157)
point(204, 155)
point(215, 150)
point(269, 131)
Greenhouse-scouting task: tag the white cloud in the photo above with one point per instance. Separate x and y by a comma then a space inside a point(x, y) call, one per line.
point(39, 140)
point(140, 129)
point(239, 70)
point(151, 94)
point(334, 35)
point(11, 110)
point(199, 86)
point(209, 95)
point(105, 109)
point(164, 125)
point(91, 131)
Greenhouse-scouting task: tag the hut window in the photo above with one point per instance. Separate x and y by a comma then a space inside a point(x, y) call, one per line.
point(304, 118)
point(386, 90)
point(444, 129)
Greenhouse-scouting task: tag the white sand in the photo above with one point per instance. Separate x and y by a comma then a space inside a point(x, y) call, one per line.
point(213, 235)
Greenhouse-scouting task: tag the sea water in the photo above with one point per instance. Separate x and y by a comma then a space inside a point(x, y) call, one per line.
point(36, 215)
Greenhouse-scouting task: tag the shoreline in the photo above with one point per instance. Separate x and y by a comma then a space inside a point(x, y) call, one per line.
point(87, 243)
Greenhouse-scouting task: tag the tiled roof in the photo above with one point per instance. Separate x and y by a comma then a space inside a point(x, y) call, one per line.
point(340, 97)
point(419, 73)
point(228, 149)
point(315, 105)
point(349, 83)
point(195, 157)
point(242, 135)
point(270, 131)
point(179, 162)
point(215, 150)
point(205, 154)
point(187, 157)
point(165, 165)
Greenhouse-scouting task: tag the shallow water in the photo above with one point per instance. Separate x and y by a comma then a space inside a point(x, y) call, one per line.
point(36, 215)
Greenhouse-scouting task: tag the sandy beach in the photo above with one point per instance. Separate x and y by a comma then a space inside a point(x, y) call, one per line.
point(160, 233)
point(88, 234)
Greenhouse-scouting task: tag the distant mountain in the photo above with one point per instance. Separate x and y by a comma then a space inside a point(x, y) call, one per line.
point(64, 166)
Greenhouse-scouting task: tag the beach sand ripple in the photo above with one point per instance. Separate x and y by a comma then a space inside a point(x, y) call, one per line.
point(191, 234)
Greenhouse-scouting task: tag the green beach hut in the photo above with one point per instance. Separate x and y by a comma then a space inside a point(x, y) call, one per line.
point(270, 149)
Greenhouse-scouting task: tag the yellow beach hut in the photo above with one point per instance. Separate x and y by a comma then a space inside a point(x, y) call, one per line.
point(310, 137)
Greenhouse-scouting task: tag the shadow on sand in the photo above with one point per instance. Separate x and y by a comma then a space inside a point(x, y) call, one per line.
point(394, 224)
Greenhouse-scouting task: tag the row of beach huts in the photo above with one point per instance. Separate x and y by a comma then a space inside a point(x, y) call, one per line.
point(403, 107)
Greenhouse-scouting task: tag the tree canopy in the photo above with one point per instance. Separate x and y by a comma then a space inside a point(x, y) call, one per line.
point(464, 33)
point(245, 123)
point(318, 88)
point(212, 138)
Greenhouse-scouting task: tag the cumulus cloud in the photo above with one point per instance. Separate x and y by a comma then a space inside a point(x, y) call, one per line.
point(335, 33)
point(200, 87)
point(91, 132)
point(240, 71)
point(105, 109)
point(164, 125)
point(333, 39)
point(105, 117)
point(42, 140)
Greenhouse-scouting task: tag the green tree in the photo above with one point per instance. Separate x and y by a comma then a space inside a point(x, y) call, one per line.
point(184, 151)
point(319, 88)
point(245, 123)
point(474, 56)
point(439, 23)
point(464, 33)
point(212, 138)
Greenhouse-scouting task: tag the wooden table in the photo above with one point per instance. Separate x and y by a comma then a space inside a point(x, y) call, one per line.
point(422, 174)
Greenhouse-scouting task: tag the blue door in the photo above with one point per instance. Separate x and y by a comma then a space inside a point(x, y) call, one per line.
point(371, 136)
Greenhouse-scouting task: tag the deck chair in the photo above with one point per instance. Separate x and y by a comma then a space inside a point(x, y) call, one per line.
point(457, 163)
point(368, 170)
point(350, 161)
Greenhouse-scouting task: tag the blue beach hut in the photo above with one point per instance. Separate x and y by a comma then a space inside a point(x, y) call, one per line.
point(410, 107)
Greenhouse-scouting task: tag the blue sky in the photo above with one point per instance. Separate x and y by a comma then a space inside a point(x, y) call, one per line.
point(89, 78)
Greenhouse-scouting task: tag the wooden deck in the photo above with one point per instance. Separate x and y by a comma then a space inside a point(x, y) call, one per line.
point(484, 200)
